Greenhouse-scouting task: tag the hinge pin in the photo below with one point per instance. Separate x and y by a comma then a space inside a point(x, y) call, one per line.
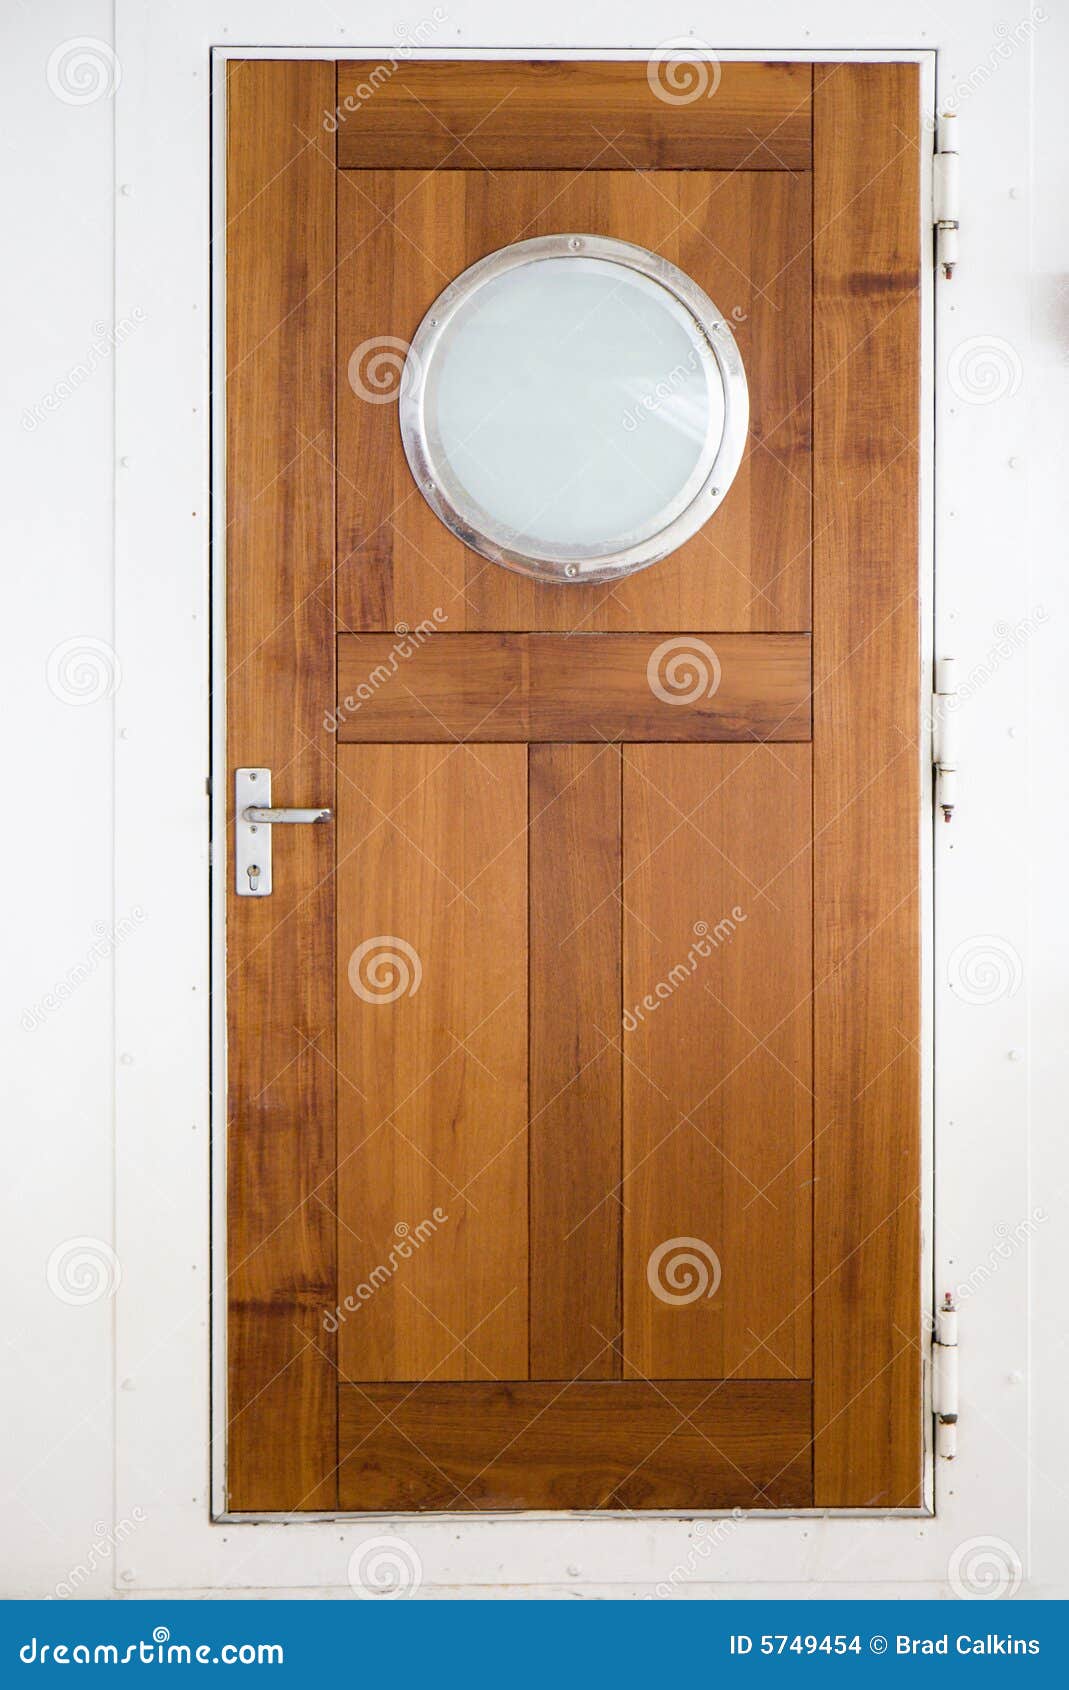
point(945, 1378)
point(945, 735)
point(946, 189)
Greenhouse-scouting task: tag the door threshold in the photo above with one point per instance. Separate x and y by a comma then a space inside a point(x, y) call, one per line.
point(504, 1517)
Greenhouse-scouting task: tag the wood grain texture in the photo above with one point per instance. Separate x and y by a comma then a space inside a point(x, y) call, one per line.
point(866, 785)
point(280, 667)
point(472, 115)
point(717, 1060)
point(432, 1061)
point(575, 1123)
point(613, 1444)
point(475, 1260)
point(744, 237)
point(572, 688)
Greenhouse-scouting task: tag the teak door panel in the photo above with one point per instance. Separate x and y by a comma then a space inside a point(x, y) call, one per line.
point(576, 116)
point(573, 1122)
point(432, 1059)
point(575, 841)
point(654, 1444)
point(745, 237)
point(717, 1072)
point(657, 970)
point(570, 687)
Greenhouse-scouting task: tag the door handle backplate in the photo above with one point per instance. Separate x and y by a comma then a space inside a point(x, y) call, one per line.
point(254, 821)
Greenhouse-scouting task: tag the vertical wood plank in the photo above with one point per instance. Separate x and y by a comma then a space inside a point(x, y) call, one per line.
point(575, 1061)
point(432, 1062)
point(781, 418)
point(367, 375)
point(401, 238)
point(756, 229)
point(866, 782)
point(717, 1105)
point(280, 668)
point(765, 990)
point(672, 1043)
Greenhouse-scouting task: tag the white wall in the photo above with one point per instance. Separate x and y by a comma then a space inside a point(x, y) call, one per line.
point(1046, 548)
point(57, 1450)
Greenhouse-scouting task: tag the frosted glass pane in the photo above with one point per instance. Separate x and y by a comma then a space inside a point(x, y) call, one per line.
point(573, 406)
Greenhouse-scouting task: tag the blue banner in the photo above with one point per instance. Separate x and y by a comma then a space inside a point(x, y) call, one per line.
point(551, 1645)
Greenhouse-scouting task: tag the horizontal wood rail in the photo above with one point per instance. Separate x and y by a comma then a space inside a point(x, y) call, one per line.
point(428, 687)
point(661, 113)
point(604, 1444)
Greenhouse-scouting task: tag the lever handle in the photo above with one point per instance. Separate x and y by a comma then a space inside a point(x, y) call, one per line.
point(253, 813)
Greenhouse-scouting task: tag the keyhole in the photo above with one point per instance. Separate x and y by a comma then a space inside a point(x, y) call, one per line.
point(254, 876)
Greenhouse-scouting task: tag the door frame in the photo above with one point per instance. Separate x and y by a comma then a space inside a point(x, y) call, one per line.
point(169, 1077)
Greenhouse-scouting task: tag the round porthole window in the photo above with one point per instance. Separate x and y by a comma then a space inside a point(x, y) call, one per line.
point(574, 407)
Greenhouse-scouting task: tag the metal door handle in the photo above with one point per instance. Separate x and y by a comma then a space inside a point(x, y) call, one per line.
point(254, 819)
point(270, 817)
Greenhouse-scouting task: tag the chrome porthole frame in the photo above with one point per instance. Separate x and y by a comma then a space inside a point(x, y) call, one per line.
point(478, 530)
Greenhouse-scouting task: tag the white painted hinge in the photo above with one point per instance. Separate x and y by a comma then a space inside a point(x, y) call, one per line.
point(946, 194)
point(945, 735)
point(945, 1379)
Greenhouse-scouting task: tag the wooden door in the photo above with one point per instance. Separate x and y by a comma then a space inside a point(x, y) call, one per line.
point(573, 1137)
